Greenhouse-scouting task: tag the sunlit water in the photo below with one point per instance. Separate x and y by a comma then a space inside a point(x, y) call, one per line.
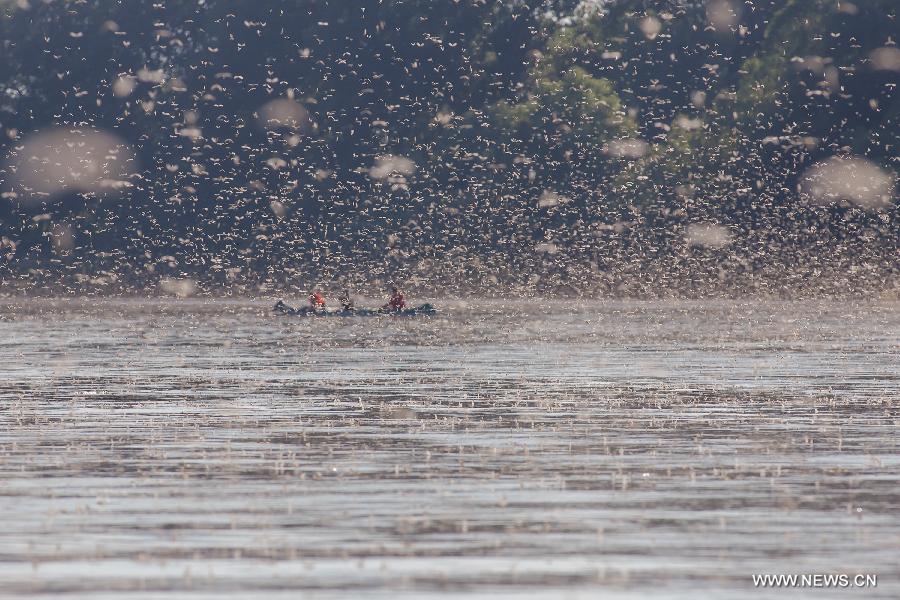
point(613, 449)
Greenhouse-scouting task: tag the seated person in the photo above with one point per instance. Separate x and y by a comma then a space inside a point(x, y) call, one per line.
point(397, 301)
point(346, 302)
point(316, 301)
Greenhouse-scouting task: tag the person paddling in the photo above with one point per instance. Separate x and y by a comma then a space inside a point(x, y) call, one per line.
point(316, 301)
point(346, 302)
point(397, 301)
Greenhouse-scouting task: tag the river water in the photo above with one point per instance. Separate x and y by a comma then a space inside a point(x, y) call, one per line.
point(208, 449)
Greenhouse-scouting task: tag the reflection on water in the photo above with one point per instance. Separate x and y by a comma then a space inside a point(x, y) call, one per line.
point(628, 449)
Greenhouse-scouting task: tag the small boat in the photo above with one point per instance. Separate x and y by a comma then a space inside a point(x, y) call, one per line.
point(305, 311)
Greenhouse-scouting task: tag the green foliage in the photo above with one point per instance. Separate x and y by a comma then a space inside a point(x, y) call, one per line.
point(580, 107)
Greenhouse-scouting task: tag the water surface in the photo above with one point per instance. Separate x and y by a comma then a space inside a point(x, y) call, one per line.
point(207, 449)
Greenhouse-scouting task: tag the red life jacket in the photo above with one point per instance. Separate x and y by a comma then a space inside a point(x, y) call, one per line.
point(397, 302)
point(317, 300)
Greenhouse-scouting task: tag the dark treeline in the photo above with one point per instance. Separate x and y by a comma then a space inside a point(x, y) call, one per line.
point(625, 146)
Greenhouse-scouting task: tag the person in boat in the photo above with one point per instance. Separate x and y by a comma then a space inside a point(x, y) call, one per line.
point(346, 301)
point(281, 307)
point(397, 301)
point(316, 301)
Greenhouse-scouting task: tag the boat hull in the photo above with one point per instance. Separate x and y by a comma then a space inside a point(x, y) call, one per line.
point(417, 311)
